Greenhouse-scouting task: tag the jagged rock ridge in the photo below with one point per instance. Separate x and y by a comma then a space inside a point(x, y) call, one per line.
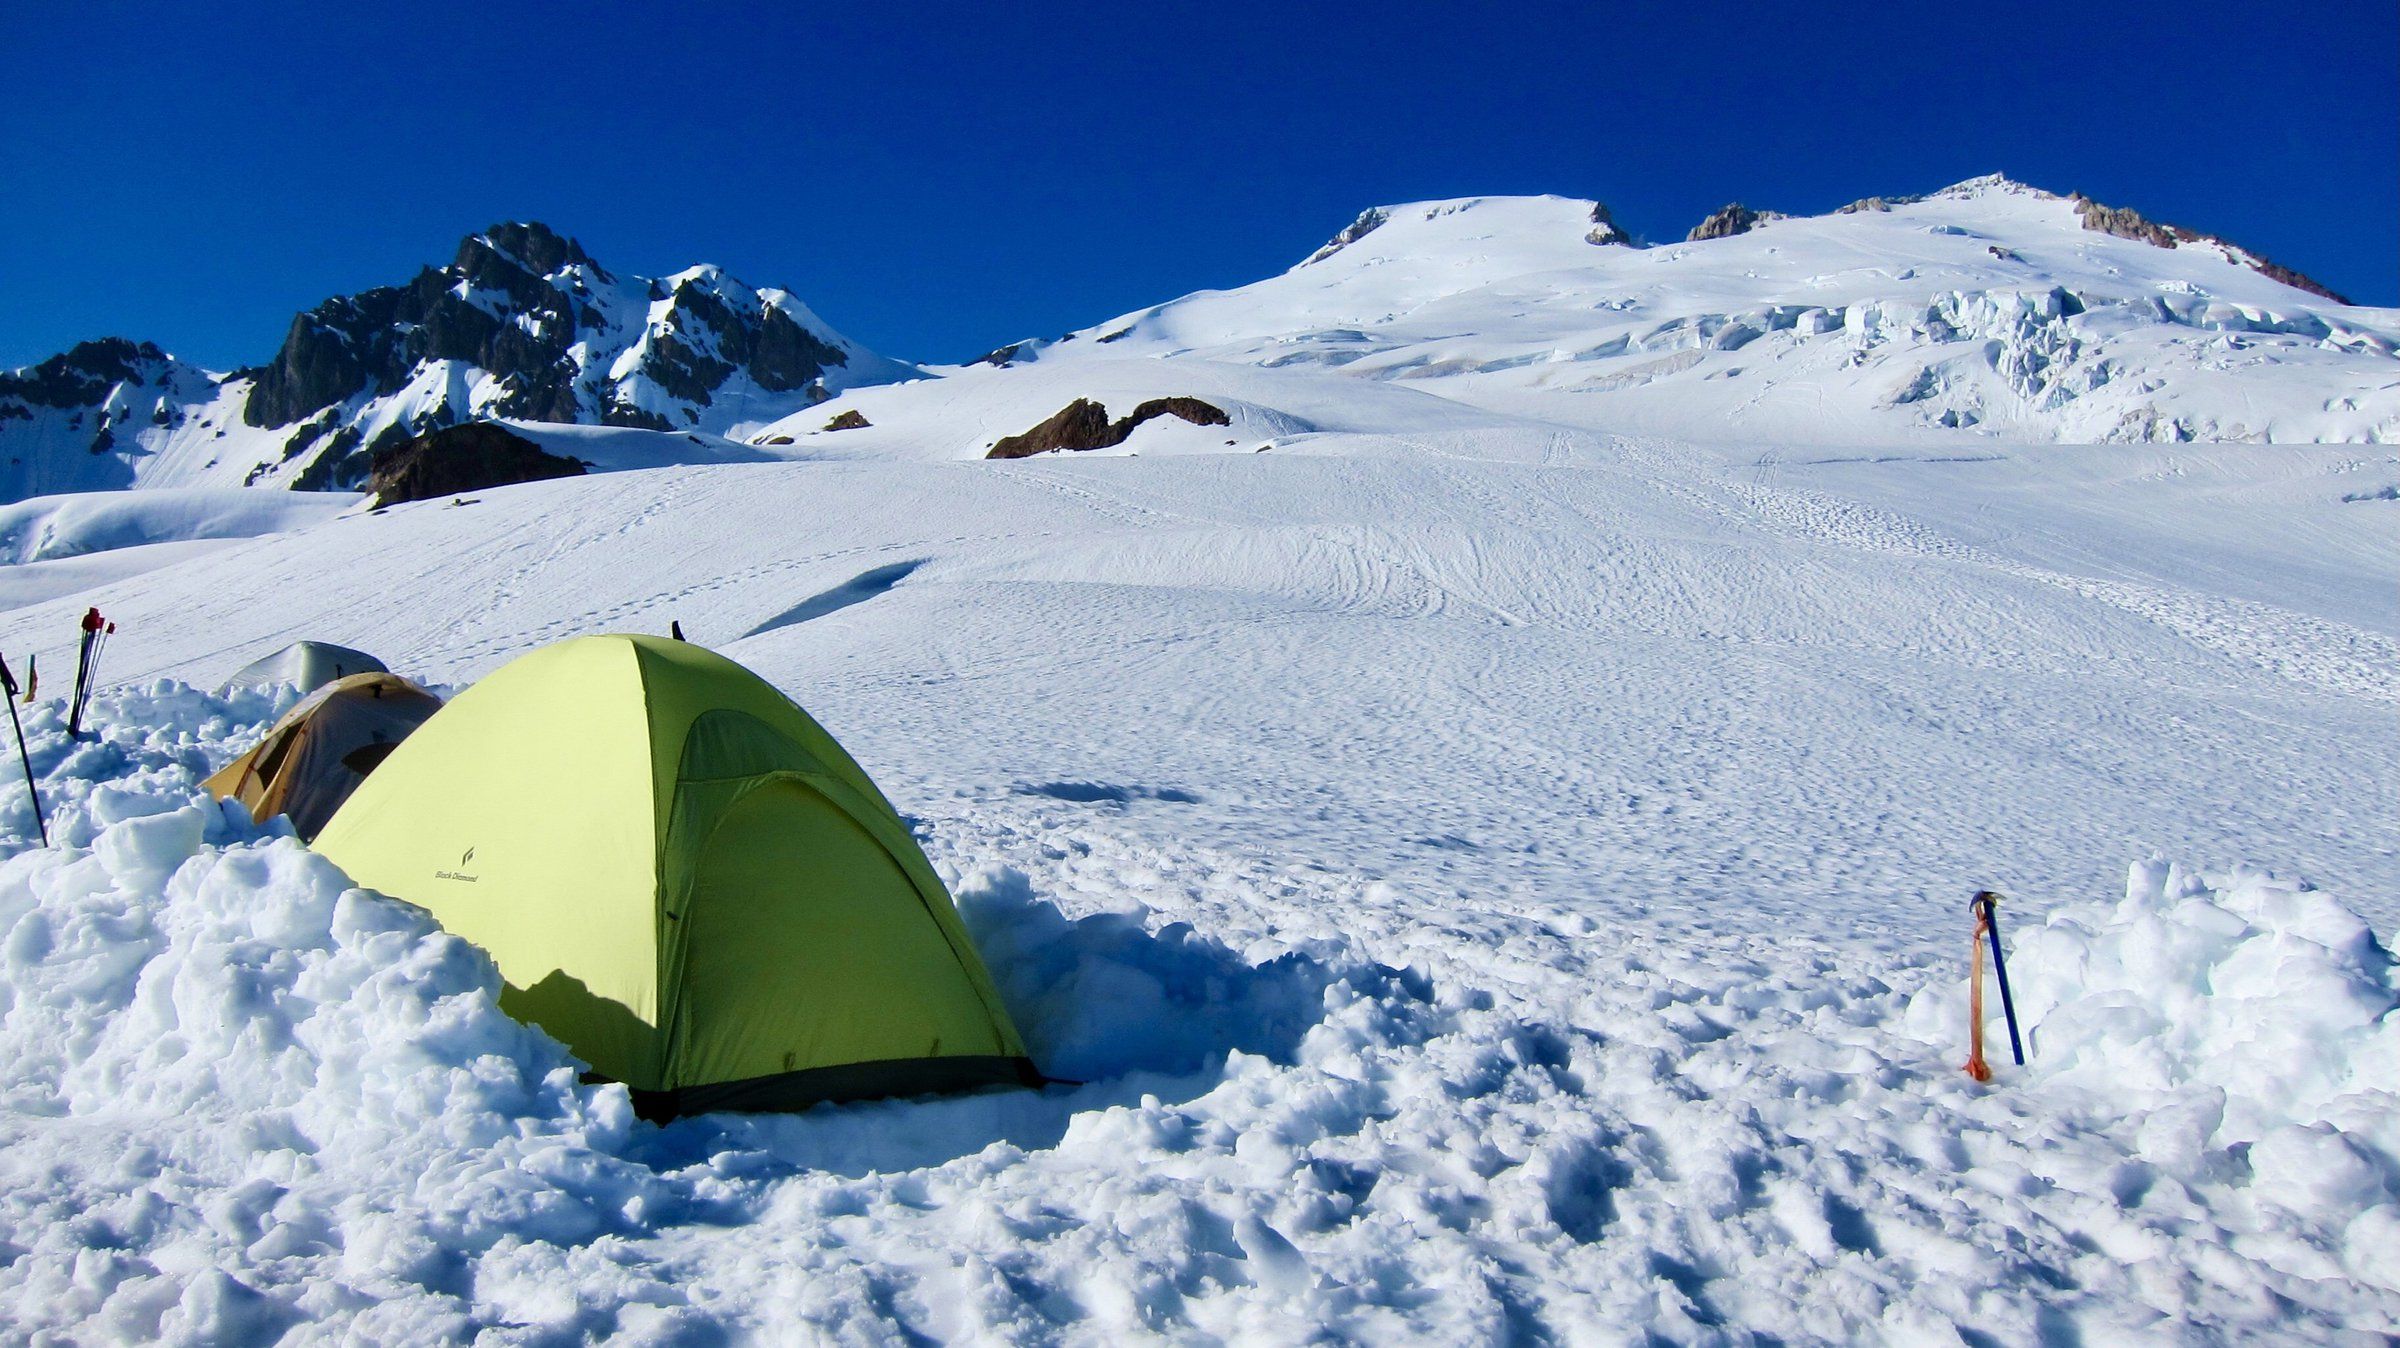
point(2126, 223)
point(521, 324)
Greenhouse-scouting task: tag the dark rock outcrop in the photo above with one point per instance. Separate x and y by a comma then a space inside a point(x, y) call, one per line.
point(470, 457)
point(1190, 409)
point(850, 420)
point(1605, 229)
point(1081, 424)
point(1084, 424)
point(1735, 218)
point(1368, 222)
point(2126, 223)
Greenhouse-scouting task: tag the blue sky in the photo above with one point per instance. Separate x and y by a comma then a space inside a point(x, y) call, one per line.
point(936, 180)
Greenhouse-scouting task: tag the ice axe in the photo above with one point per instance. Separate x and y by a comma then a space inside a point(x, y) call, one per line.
point(8, 685)
point(1986, 908)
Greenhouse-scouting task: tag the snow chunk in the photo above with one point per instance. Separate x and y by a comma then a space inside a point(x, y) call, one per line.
point(2240, 1008)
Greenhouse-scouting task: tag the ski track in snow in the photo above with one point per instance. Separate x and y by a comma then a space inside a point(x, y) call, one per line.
point(2295, 646)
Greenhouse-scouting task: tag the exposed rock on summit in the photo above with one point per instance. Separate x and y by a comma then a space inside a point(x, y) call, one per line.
point(530, 307)
point(2126, 223)
point(1368, 222)
point(1735, 218)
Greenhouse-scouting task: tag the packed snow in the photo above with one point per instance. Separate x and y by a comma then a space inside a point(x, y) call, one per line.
point(1489, 869)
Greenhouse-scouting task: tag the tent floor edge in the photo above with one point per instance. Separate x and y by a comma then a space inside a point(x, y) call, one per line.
point(787, 1091)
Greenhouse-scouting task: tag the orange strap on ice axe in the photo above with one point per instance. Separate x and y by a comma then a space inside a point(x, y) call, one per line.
point(1976, 1066)
point(1986, 908)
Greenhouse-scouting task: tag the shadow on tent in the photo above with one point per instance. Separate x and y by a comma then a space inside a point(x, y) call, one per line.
point(1103, 1002)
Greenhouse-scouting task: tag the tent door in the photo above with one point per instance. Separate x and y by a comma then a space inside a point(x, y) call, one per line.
point(806, 946)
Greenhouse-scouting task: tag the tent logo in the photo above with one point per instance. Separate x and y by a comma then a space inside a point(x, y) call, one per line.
point(461, 875)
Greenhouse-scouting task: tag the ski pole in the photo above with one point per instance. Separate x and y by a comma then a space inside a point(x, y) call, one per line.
point(1987, 912)
point(8, 685)
point(91, 685)
point(92, 623)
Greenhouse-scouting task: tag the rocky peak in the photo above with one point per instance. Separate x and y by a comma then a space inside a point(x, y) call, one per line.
point(84, 373)
point(562, 339)
point(1735, 218)
point(532, 245)
point(1988, 184)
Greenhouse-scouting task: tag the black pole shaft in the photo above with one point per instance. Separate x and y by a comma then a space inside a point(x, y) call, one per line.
point(83, 665)
point(91, 682)
point(2008, 1005)
point(32, 789)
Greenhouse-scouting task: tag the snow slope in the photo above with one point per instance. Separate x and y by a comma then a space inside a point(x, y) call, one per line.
point(47, 527)
point(1987, 306)
point(1499, 881)
point(54, 545)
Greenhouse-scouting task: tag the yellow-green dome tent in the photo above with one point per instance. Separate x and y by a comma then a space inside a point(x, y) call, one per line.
point(684, 879)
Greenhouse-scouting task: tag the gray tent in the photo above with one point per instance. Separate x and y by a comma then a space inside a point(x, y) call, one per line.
point(308, 664)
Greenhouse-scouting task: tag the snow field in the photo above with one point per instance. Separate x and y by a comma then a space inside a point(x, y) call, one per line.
point(43, 528)
point(242, 1098)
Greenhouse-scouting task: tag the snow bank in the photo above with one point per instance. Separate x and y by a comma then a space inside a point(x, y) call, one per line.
point(295, 1075)
point(76, 524)
point(145, 750)
point(2240, 1034)
point(1106, 995)
point(2227, 1008)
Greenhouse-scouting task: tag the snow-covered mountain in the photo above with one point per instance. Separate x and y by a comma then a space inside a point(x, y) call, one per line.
point(1989, 307)
point(522, 324)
